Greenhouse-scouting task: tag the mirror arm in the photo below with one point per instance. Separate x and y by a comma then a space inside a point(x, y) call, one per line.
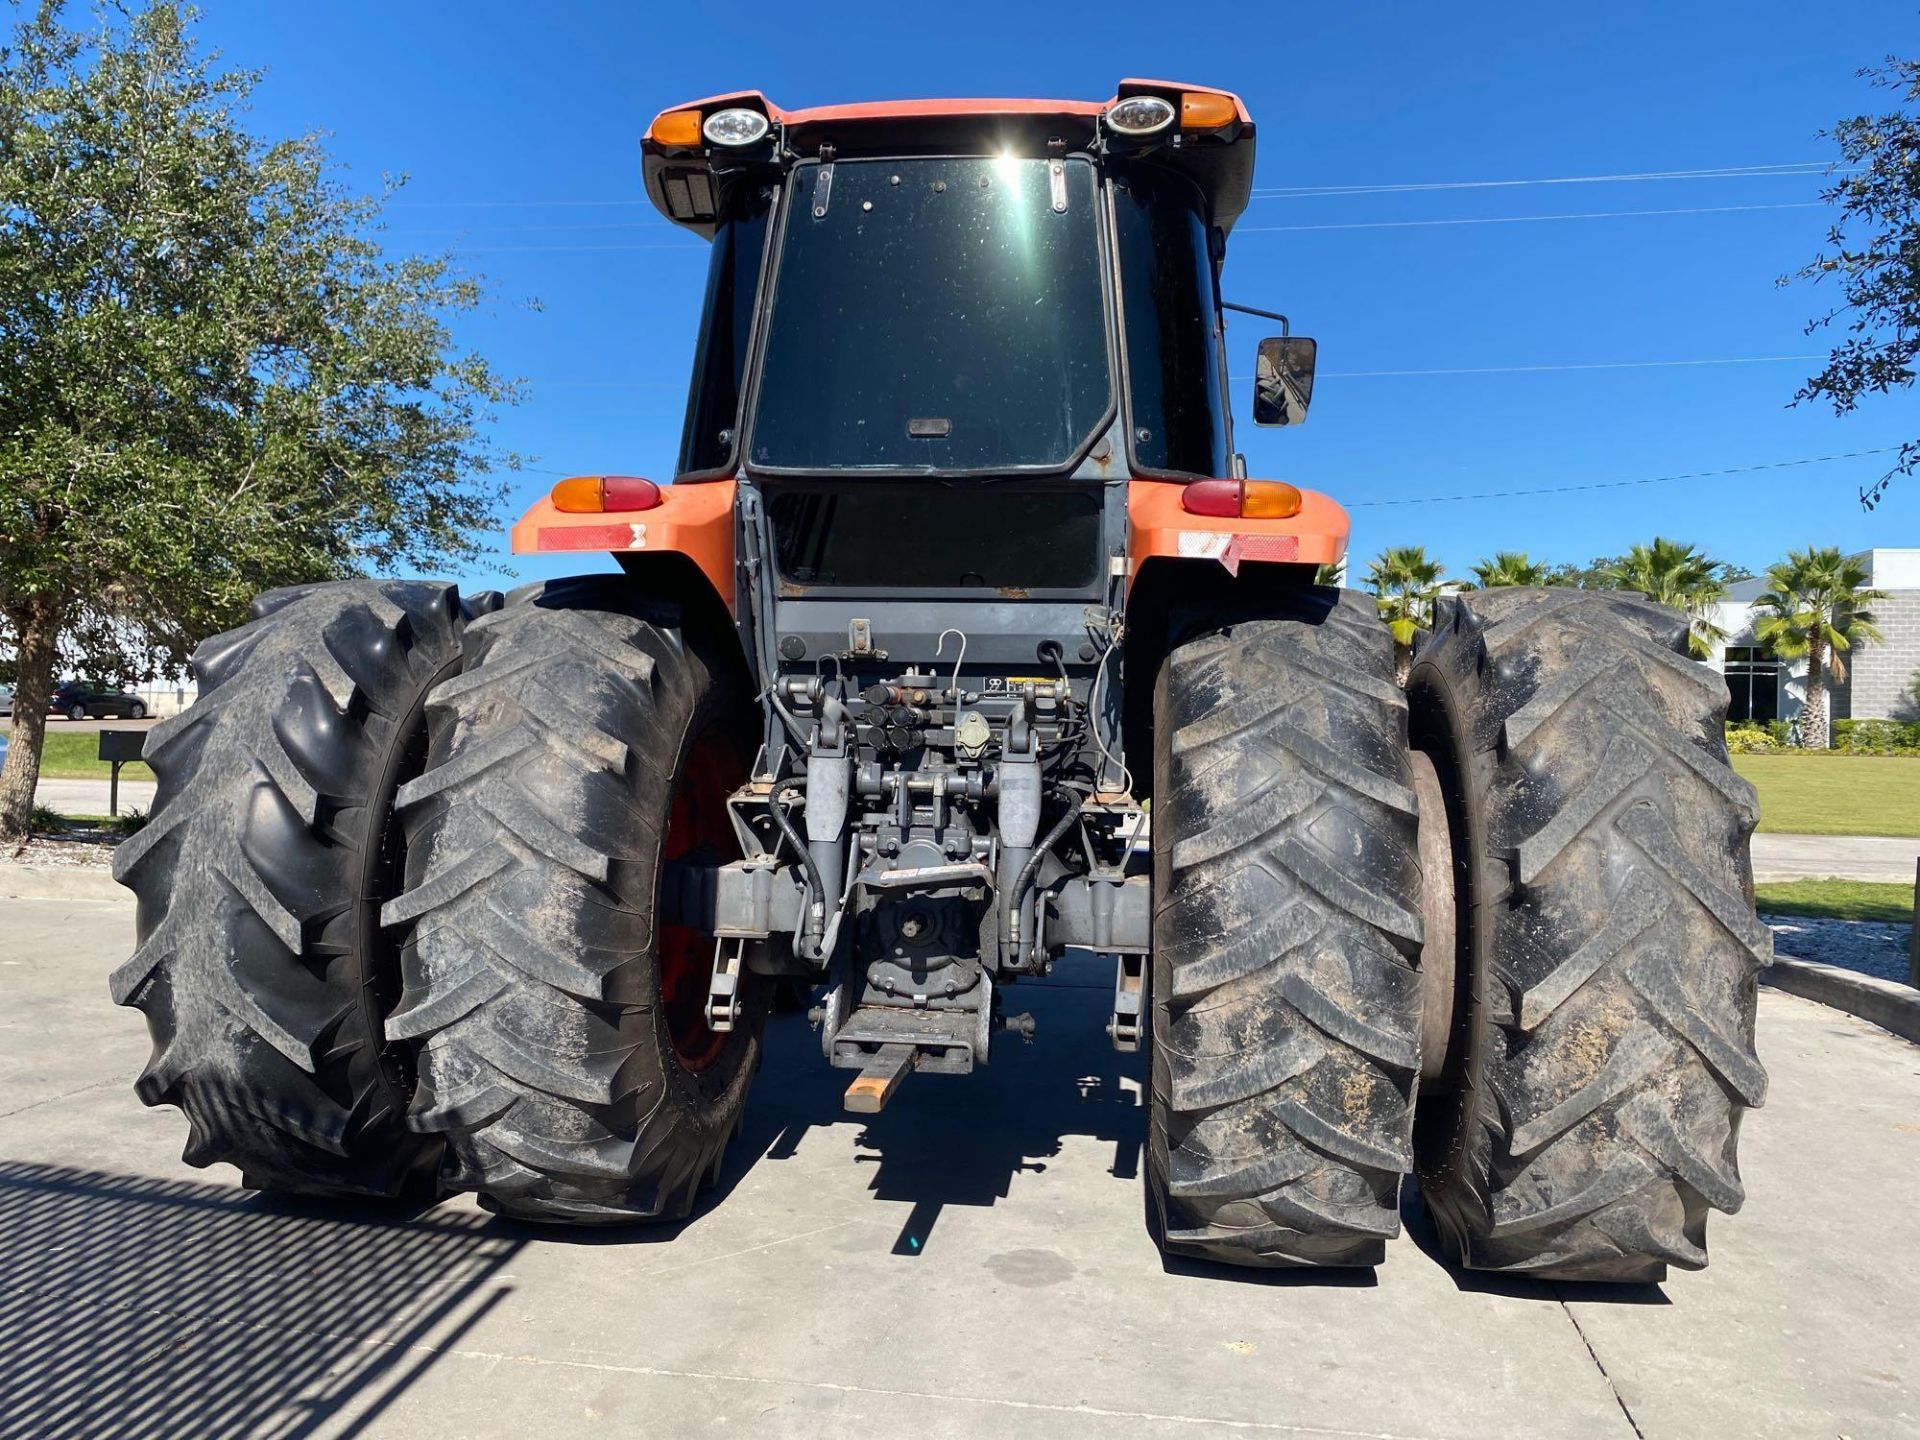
point(1285, 329)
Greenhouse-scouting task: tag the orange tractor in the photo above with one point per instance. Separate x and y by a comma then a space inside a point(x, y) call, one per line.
point(958, 572)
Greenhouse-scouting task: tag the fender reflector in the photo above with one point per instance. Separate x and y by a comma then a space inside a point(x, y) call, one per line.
point(592, 537)
point(592, 494)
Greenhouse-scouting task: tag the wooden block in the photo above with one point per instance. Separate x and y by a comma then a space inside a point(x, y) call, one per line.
point(874, 1086)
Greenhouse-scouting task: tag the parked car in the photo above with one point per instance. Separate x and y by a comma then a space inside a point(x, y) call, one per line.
point(79, 700)
point(6, 700)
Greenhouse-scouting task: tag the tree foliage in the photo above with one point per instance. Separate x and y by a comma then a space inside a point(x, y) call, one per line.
point(1676, 574)
point(1511, 567)
point(1872, 253)
point(213, 379)
point(1404, 582)
point(1817, 606)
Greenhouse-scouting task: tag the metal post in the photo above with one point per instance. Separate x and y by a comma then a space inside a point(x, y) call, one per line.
point(1913, 936)
point(113, 791)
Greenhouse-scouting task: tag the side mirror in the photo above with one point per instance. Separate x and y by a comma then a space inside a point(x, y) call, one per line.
point(1283, 380)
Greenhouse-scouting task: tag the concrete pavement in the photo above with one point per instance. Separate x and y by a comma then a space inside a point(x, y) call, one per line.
point(1847, 857)
point(59, 724)
point(972, 1262)
point(1775, 857)
point(90, 797)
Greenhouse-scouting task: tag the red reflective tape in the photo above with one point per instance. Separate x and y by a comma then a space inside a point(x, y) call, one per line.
point(586, 537)
point(1274, 549)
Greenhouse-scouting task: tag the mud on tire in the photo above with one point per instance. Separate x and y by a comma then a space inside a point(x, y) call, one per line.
point(562, 1053)
point(261, 967)
point(1602, 1046)
point(1287, 922)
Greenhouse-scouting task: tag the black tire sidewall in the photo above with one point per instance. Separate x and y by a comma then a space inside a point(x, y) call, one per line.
point(699, 1093)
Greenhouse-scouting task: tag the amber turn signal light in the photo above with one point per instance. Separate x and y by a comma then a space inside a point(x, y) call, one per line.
point(595, 494)
point(1201, 111)
point(677, 128)
point(1241, 499)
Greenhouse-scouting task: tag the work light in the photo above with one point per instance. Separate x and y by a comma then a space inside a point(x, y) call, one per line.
point(1139, 115)
point(735, 127)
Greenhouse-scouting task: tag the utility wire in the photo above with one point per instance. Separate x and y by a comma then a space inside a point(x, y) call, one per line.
point(1717, 172)
point(1622, 484)
point(1277, 192)
point(689, 248)
point(679, 247)
point(510, 204)
point(1527, 219)
point(1548, 369)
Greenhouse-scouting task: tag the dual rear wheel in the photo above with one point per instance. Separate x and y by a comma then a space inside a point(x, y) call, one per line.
point(1586, 979)
point(399, 899)
point(399, 919)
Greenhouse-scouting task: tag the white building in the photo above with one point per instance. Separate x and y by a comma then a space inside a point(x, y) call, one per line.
point(1879, 676)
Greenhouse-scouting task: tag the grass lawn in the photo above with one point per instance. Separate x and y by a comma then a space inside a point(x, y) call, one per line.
point(70, 755)
point(1838, 900)
point(1836, 794)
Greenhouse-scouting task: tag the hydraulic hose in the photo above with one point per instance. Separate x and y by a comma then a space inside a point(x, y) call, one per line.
point(1014, 899)
point(816, 887)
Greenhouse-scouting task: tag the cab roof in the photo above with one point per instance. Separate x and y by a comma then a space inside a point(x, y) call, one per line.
point(686, 181)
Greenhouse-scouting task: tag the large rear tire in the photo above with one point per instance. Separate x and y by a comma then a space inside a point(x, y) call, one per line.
point(565, 1052)
point(1602, 1041)
point(1286, 1006)
point(261, 966)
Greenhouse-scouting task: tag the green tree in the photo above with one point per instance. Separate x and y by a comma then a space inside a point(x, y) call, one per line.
point(1591, 576)
point(214, 379)
point(1511, 567)
point(1333, 574)
point(1870, 253)
point(1404, 582)
point(1816, 606)
point(1682, 576)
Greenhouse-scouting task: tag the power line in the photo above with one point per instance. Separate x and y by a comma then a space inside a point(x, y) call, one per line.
point(1275, 192)
point(1548, 369)
point(691, 248)
point(510, 204)
point(492, 228)
point(1527, 219)
point(1622, 484)
point(680, 247)
point(1716, 172)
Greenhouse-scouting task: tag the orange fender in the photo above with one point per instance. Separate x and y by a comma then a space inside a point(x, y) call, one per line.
point(695, 520)
point(1161, 529)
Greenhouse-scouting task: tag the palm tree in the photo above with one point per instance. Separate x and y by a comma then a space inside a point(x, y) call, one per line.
point(1404, 582)
point(1683, 576)
point(1510, 567)
point(1334, 574)
point(1816, 605)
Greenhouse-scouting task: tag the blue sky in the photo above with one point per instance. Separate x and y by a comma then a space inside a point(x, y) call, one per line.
point(519, 126)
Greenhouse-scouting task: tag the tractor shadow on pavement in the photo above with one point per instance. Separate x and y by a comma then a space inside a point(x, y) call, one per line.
point(1417, 1220)
point(168, 1308)
point(962, 1140)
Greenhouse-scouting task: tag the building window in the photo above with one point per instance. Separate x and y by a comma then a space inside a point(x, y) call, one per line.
point(1753, 684)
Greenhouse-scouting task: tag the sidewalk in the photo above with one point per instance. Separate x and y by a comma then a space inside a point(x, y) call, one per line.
point(89, 797)
point(1775, 857)
point(1842, 857)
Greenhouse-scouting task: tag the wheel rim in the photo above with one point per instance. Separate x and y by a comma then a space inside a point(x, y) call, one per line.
point(697, 827)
